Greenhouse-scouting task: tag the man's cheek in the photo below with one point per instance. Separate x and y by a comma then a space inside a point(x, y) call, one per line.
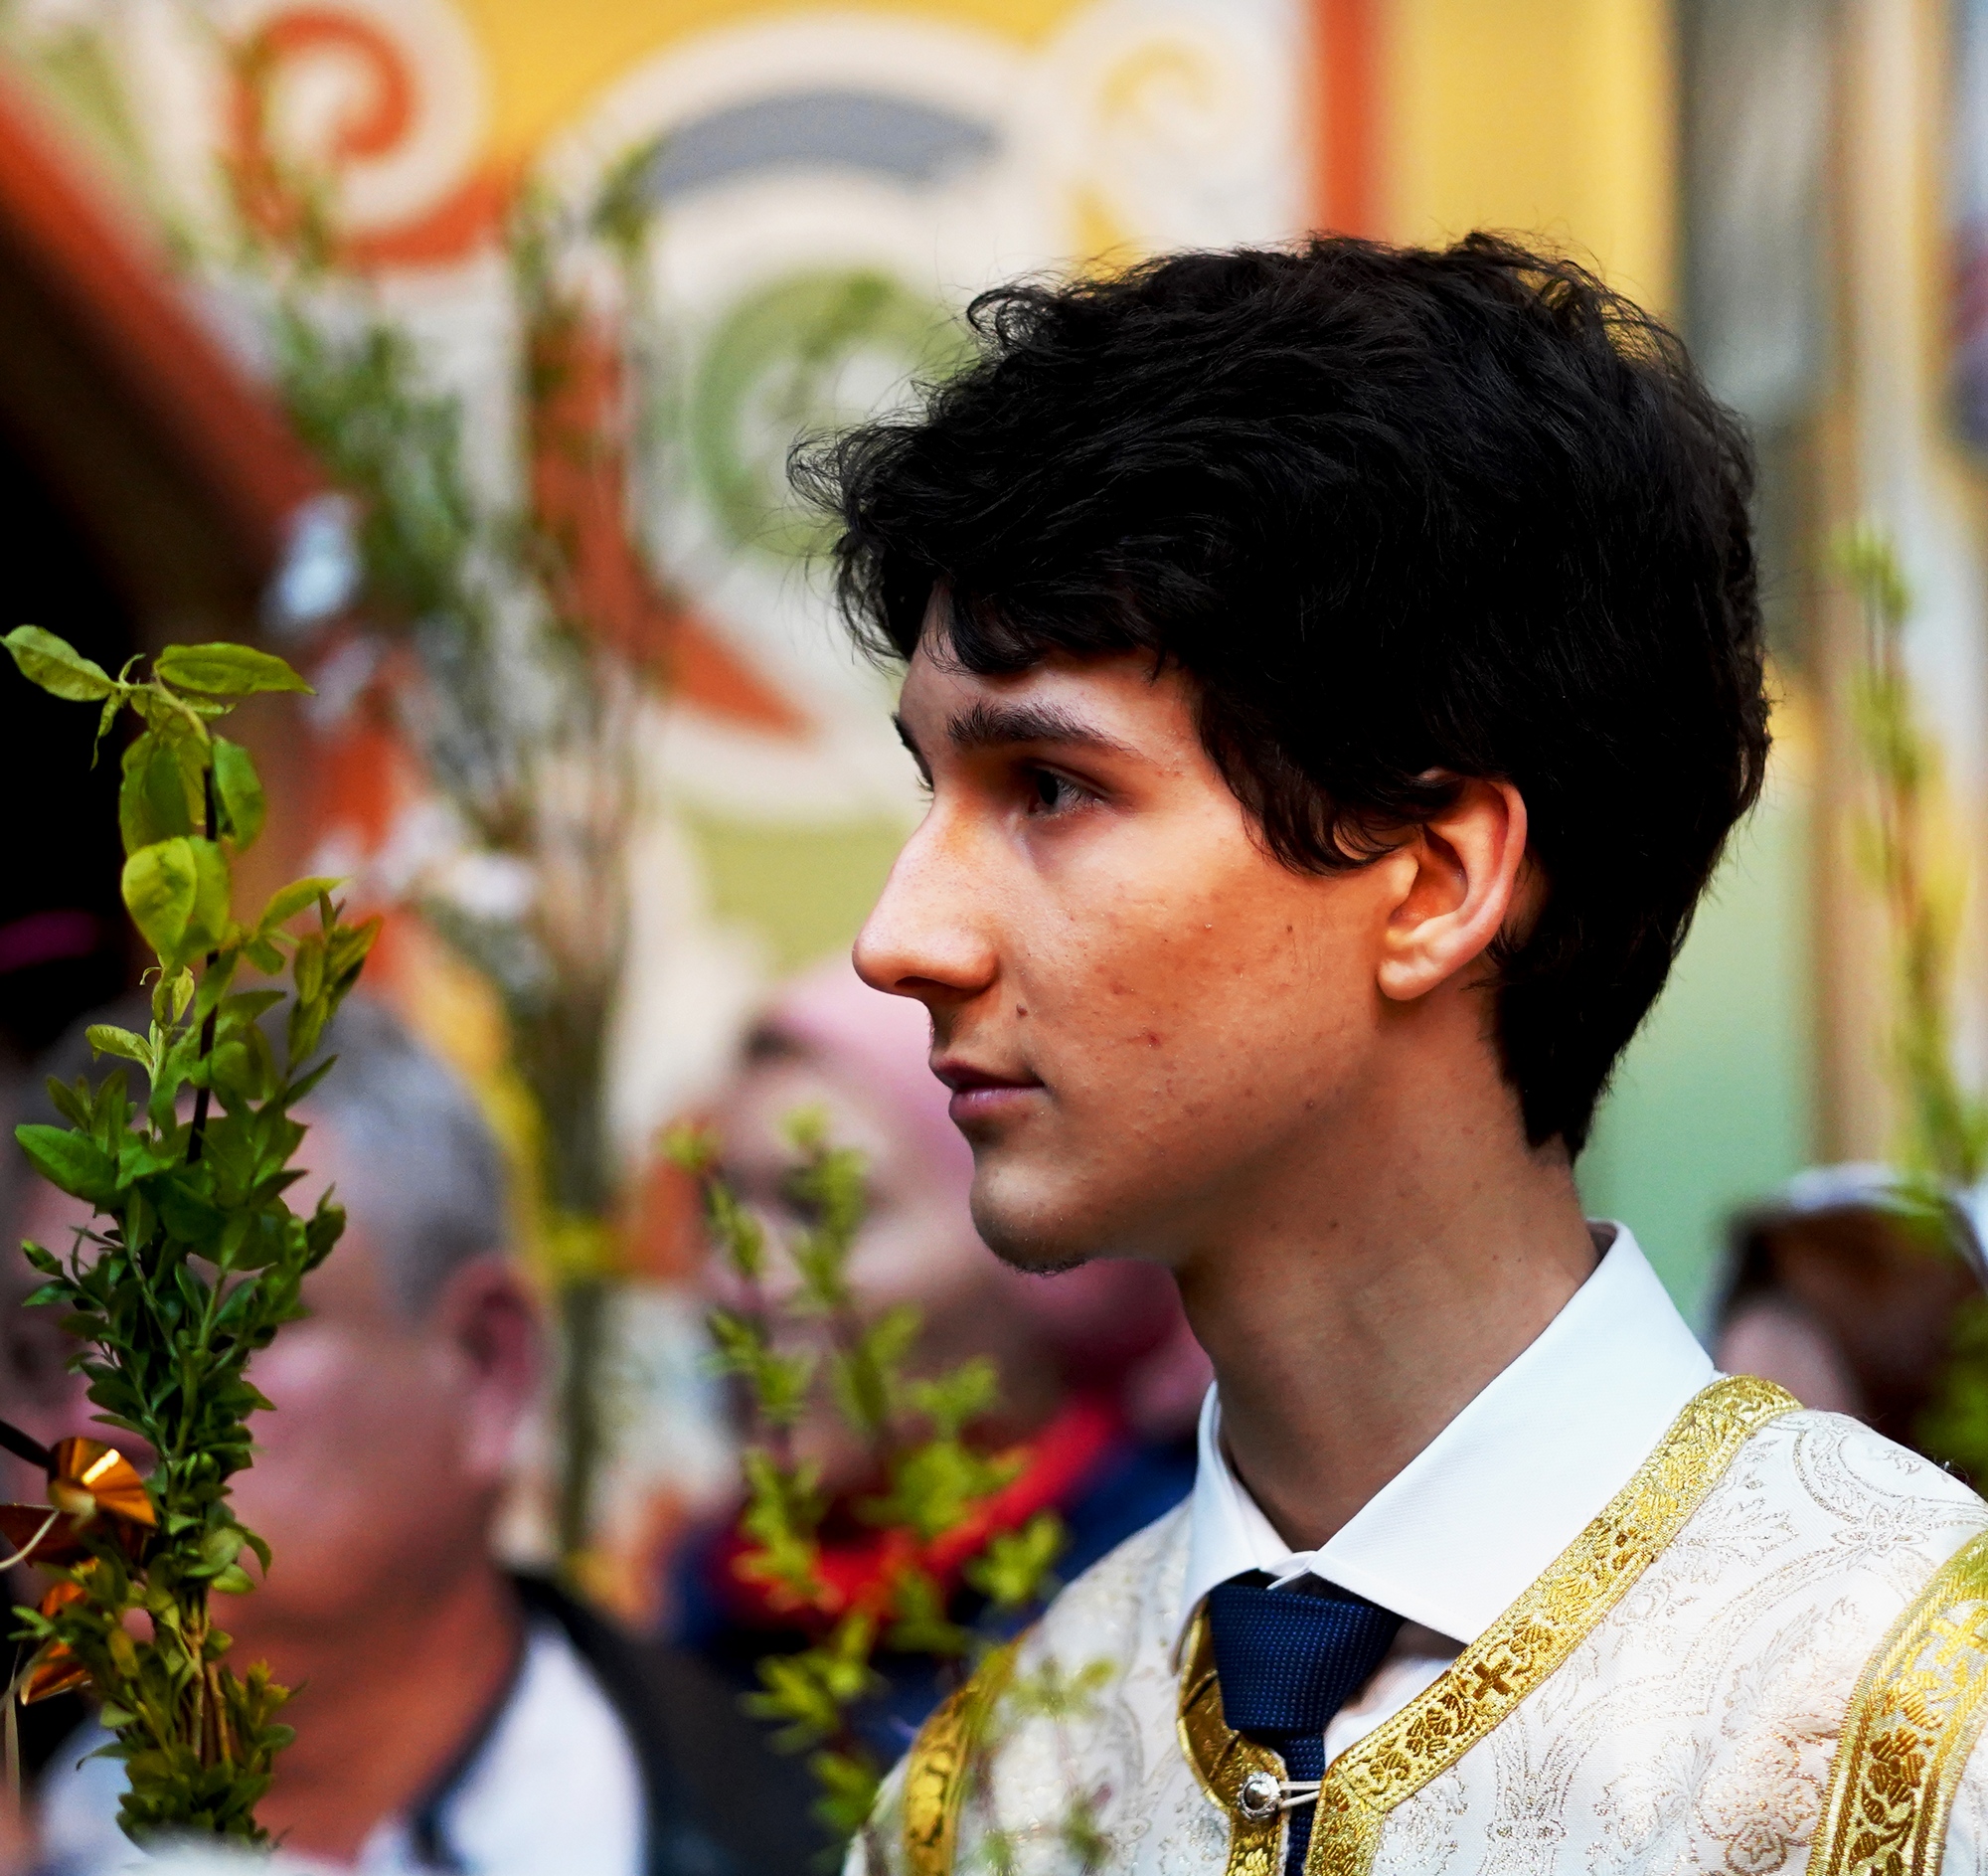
point(317, 1380)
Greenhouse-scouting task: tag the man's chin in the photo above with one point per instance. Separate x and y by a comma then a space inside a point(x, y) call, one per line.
point(1028, 1235)
point(1037, 1259)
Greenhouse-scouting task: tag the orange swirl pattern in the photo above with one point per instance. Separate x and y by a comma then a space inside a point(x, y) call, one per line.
point(377, 120)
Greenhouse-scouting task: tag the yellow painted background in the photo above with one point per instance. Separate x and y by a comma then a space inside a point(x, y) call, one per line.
point(1551, 115)
point(1544, 116)
point(546, 63)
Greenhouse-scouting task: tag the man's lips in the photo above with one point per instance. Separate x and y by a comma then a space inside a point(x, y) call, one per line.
point(980, 1094)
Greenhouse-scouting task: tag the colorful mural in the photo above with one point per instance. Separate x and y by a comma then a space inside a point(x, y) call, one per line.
point(830, 187)
point(821, 192)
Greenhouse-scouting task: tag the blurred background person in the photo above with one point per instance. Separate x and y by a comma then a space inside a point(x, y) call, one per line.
point(1848, 1293)
point(1100, 1380)
point(449, 1714)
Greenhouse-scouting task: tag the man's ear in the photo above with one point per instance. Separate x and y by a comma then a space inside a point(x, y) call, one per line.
point(1466, 884)
point(491, 1325)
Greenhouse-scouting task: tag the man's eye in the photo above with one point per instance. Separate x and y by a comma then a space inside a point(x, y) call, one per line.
point(1050, 791)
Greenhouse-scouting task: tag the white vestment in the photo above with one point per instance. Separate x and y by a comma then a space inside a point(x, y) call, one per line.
point(1659, 1590)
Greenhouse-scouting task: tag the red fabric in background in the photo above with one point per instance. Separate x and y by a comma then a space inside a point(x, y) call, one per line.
point(1058, 1462)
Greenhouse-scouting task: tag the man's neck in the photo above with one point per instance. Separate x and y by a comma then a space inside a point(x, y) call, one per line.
point(1367, 1291)
point(383, 1711)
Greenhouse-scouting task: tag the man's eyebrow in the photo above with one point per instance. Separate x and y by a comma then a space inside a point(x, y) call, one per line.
point(984, 725)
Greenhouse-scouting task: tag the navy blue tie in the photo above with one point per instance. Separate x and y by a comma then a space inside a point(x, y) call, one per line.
point(1288, 1660)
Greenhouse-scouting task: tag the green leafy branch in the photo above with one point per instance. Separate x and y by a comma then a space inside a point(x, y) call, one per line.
point(520, 679)
point(919, 1431)
point(1944, 1129)
point(1943, 1135)
point(195, 1258)
point(1064, 1701)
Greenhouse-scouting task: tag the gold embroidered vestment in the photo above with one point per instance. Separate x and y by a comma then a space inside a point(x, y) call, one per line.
point(1752, 1527)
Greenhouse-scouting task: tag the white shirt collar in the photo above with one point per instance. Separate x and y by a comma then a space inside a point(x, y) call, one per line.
point(1452, 1539)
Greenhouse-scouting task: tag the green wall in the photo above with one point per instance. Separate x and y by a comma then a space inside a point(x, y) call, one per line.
point(804, 891)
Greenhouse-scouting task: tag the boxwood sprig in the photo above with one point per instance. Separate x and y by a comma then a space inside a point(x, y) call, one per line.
point(193, 1258)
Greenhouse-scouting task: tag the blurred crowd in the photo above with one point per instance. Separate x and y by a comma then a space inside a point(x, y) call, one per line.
point(456, 1715)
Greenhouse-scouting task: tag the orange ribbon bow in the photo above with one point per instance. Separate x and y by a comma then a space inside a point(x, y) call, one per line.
point(55, 1668)
point(87, 1480)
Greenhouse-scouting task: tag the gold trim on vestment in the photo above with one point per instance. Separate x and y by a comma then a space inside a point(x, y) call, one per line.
point(1914, 1718)
point(936, 1770)
point(1502, 1666)
point(1221, 1759)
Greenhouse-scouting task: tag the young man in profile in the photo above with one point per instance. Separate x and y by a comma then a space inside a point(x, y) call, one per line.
point(1337, 674)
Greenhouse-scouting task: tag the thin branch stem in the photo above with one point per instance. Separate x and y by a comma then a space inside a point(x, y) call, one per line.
point(197, 1137)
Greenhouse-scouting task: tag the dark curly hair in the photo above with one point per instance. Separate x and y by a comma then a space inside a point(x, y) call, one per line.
point(1402, 514)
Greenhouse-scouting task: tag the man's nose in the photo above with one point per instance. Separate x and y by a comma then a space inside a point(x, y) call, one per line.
point(927, 936)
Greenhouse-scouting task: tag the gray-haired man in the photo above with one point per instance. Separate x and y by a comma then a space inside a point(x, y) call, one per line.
point(450, 1716)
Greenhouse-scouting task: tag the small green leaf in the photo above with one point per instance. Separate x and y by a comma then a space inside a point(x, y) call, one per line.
point(240, 792)
point(240, 1073)
point(72, 1101)
point(152, 800)
point(848, 1784)
point(211, 896)
point(189, 1214)
point(180, 719)
point(72, 1162)
point(221, 669)
point(160, 884)
point(691, 1149)
point(109, 1039)
point(177, 894)
point(58, 667)
point(245, 1006)
point(345, 950)
point(284, 904)
point(955, 1399)
point(921, 1625)
point(214, 985)
point(1011, 1572)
